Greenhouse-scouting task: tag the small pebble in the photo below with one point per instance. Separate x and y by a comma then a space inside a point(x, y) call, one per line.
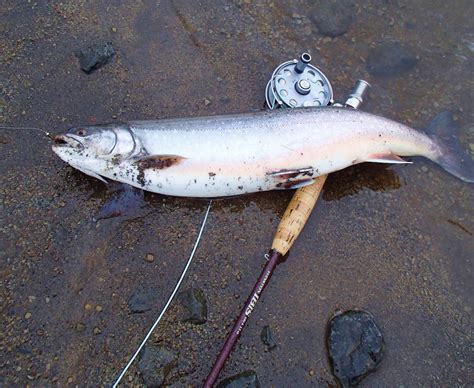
point(155, 363)
point(80, 327)
point(207, 102)
point(195, 305)
point(150, 257)
point(87, 307)
point(142, 299)
point(98, 308)
point(93, 57)
point(267, 338)
point(27, 315)
point(97, 331)
point(247, 379)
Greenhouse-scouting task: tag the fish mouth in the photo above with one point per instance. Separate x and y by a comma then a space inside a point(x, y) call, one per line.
point(65, 141)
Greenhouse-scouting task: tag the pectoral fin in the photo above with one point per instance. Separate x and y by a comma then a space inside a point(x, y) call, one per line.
point(385, 158)
point(90, 173)
point(158, 162)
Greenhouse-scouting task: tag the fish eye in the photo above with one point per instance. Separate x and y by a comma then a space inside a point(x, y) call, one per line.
point(81, 132)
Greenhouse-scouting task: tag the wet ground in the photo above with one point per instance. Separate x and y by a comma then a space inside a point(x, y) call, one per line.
point(396, 241)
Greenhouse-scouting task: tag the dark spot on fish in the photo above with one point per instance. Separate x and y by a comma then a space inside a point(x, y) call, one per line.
point(141, 176)
point(240, 187)
point(211, 174)
point(116, 160)
point(158, 162)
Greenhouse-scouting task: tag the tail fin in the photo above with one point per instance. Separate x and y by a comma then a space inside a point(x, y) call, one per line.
point(444, 131)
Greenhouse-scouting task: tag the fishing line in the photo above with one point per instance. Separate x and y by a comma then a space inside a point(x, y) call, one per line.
point(169, 300)
point(48, 134)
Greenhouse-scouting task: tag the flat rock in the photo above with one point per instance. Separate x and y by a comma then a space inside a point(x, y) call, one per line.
point(247, 379)
point(95, 56)
point(390, 59)
point(155, 363)
point(142, 299)
point(194, 304)
point(355, 346)
point(333, 18)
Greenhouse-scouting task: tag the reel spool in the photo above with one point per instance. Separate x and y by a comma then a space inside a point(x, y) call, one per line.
point(296, 84)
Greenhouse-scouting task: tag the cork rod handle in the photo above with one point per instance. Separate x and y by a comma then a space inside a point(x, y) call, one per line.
point(296, 215)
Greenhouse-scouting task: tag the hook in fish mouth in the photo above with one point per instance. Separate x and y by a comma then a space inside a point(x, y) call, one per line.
point(67, 141)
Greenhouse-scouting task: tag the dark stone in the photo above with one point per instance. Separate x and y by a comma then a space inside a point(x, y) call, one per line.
point(195, 306)
point(390, 59)
point(93, 57)
point(247, 379)
point(355, 346)
point(267, 338)
point(333, 18)
point(142, 299)
point(156, 362)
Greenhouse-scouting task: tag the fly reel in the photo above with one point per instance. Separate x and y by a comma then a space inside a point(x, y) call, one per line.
point(298, 84)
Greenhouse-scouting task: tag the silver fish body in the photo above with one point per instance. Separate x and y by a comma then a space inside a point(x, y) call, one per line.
point(236, 154)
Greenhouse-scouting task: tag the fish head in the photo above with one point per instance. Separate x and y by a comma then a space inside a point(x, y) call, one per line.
point(93, 149)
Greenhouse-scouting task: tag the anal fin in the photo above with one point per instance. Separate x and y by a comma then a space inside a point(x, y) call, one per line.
point(386, 158)
point(295, 184)
point(292, 174)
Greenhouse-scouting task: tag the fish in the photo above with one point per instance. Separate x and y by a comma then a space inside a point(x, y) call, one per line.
point(229, 155)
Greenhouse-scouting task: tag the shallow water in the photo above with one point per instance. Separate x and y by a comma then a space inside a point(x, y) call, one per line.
point(396, 241)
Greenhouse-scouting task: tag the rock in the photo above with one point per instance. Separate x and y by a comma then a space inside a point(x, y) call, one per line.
point(195, 305)
point(247, 379)
point(142, 299)
point(80, 327)
point(156, 362)
point(267, 338)
point(390, 59)
point(333, 18)
point(150, 257)
point(355, 346)
point(95, 56)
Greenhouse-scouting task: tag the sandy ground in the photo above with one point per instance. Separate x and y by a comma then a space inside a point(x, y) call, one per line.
point(397, 240)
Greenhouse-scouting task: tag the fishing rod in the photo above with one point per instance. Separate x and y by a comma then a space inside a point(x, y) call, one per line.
point(311, 88)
